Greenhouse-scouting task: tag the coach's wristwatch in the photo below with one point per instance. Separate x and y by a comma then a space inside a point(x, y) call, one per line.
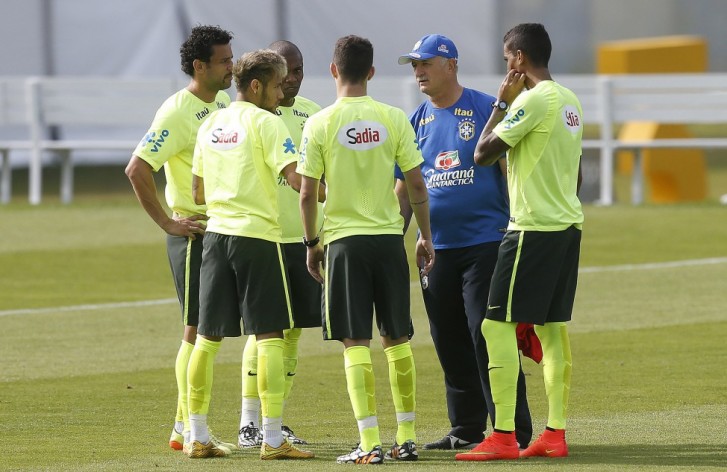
point(500, 105)
point(312, 242)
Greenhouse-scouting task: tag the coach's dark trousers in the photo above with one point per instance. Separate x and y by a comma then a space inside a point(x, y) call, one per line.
point(456, 301)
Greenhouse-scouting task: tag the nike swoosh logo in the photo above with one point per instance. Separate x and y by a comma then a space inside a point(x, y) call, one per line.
point(489, 307)
point(549, 451)
point(459, 443)
point(290, 374)
point(251, 373)
point(423, 138)
point(495, 367)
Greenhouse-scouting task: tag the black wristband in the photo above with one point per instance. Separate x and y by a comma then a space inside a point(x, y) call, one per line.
point(312, 242)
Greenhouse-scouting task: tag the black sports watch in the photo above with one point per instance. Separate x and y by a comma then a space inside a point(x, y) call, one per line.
point(500, 105)
point(312, 242)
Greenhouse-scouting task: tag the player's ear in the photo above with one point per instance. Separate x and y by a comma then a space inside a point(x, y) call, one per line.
point(371, 73)
point(334, 70)
point(520, 56)
point(198, 65)
point(255, 86)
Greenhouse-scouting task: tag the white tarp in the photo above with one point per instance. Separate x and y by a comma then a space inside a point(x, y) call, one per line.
point(141, 38)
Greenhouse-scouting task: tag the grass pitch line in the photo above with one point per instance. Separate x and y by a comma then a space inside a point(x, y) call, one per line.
point(100, 306)
point(653, 265)
point(165, 301)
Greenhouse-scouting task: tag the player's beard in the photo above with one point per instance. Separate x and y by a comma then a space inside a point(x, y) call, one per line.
point(226, 82)
point(291, 92)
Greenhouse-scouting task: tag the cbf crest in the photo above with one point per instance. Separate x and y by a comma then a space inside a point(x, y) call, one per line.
point(466, 129)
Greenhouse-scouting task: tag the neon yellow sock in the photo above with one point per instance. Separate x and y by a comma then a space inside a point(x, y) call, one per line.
point(180, 371)
point(402, 379)
point(270, 379)
point(250, 405)
point(557, 365)
point(249, 368)
point(362, 392)
point(504, 367)
point(200, 373)
point(290, 357)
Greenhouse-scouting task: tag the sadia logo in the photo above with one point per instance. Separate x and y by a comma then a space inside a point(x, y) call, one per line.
point(446, 160)
point(225, 138)
point(571, 118)
point(362, 135)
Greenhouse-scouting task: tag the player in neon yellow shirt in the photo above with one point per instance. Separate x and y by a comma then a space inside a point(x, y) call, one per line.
point(535, 277)
point(207, 59)
point(239, 155)
point(305, 293)
point(356, 142)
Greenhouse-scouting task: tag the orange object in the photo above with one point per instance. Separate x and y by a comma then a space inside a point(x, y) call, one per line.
point(671, 175)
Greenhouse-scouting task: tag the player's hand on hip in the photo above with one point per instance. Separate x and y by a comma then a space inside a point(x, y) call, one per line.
point(314, 260)
point(188, 227)
point(425, 255)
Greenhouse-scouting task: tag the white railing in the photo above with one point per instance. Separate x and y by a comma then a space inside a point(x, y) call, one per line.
point(39, 104)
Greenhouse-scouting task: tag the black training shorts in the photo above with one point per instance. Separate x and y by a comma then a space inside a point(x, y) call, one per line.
point(243, 278)
point(363, 273)
point(535, 277)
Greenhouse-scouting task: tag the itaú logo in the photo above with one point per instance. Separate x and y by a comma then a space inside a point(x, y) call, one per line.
point(362, 135)
point(225, 138)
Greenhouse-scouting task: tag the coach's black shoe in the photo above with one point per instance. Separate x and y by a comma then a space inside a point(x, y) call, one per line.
point(449, 442)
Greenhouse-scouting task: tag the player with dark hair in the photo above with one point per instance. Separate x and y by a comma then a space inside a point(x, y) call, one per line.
point(539, 124)
point(533, 40)
point(200, 46)
point(207, 59)
point(355, 143)
point(305, 293)
point(469, 210)
point(240, 153)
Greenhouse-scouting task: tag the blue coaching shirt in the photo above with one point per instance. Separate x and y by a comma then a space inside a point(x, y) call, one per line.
point(467, 203)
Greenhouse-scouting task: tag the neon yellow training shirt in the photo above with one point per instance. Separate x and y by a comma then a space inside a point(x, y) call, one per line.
point(355, 143)
point(288, 199)
point(170, 143)
point(240, 152)
point(543, 128)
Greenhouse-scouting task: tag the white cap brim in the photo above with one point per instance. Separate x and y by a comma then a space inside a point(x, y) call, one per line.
point(414, 56)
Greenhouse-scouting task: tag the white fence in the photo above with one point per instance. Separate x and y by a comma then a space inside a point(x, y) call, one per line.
point(106, 104)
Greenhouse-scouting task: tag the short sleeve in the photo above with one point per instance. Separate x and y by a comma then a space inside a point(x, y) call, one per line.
point(278, 145)
point(526, 112)
point(310, 158)
point(408, 155)
point(167, 136)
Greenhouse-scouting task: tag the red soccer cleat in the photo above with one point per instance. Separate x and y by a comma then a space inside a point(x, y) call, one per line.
point(548, 444)
point(497, 446)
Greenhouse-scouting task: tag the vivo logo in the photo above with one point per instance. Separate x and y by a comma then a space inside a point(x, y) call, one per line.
point(156, 140)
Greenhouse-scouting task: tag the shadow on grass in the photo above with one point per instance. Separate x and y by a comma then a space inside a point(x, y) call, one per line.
point(686, 455)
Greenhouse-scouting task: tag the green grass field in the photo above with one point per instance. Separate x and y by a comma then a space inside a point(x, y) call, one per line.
point(89, 336)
